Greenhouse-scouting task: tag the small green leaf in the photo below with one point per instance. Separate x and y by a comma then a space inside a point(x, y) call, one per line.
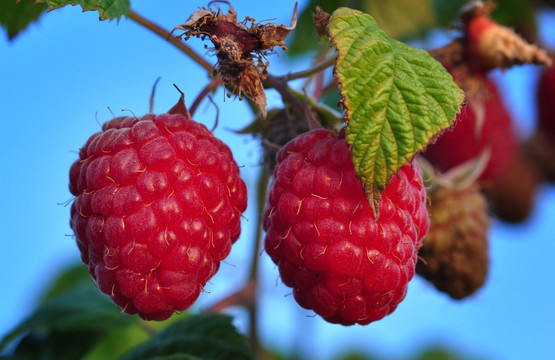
point(16, 16)
point(108, 9)
point(195, 337)
point(396, 98)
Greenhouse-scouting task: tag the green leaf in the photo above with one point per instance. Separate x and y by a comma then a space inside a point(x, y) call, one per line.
point(397, 98)
point(73, 276)
point(16, 16)
point(196, 337)
point(55, 345)
point(304, 37)
point(518, 14)
point(83, 308)
point(400, 19)
point(108, 9)
point(117, 342)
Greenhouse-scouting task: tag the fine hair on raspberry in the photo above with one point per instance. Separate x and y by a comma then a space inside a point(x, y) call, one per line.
point(322, 234)
point(158, 204)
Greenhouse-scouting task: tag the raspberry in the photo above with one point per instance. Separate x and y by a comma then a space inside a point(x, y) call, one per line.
point(541, 145)
point(454, 253)
point(545, 94)
point(463, 143)
point(512, 195)
point(321, 233)
point(283, 125)
point(157, 207)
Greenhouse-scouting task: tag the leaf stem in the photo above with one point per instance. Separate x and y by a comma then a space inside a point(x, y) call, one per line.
point(157, 29)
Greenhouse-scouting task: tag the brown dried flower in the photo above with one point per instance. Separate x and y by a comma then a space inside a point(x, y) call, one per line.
point(241, 47)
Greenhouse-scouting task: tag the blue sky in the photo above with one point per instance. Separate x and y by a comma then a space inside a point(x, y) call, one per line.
point(58, 81)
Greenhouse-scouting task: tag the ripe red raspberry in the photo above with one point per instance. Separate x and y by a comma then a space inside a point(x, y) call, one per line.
point(463, 143)
point(158, 206)
point(545, 93)
point(341, 262)
point(541, 145)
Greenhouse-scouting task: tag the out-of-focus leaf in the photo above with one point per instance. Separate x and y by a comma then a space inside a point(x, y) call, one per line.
point(402, 18)
point(397, 98)
point(438, 354)
point(355, 356)
point(16, 16)
point(116, 343)
point(70, 278)
point(510, 12)
point(332, 99)
point(305, 38)
point(107, 9)
point(83, 308)
point(447, 11)
point(519, 15)
point(54, 345)
point(196, 337)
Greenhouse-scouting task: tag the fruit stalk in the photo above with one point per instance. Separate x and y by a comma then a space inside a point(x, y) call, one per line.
point(309, 72)
point(157, 29)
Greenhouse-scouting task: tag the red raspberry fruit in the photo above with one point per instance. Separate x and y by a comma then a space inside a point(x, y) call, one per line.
point(546, 101)
point(463, 143)
point(158, 206)
point(541, 145)
point(321, 232)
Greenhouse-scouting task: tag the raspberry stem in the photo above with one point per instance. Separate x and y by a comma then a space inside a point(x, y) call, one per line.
point(309, 72)
point(210, 87)
point(157, 29)
point(278, 83)
point(252, 306)
point(281, 87)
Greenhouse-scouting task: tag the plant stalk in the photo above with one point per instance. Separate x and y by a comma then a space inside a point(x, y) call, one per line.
point(157, 29)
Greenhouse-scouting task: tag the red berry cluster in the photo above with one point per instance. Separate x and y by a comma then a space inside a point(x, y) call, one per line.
point(158, 205)
point(342, 262)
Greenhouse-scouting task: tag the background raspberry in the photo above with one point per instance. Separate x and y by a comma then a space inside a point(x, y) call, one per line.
point(158, 206)
point(341, 262)
point(462, 143)
point(454, 256)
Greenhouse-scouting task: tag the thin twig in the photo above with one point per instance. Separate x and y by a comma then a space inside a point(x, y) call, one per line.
point(157, 29)
point(242, 297)
point(252, 306)
point(217, 113)
point(309, 72)
point(281, 87)
point(211, 86)
point(152, 94)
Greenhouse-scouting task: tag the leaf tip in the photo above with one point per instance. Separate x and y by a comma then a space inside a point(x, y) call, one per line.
point(374, 196)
